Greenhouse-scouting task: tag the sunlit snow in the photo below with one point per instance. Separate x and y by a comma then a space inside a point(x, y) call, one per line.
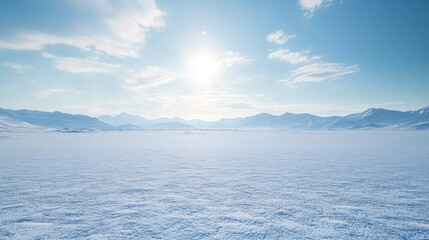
point(215, 185)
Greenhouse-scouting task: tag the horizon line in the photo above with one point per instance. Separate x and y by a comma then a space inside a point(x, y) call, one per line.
point(301, 113)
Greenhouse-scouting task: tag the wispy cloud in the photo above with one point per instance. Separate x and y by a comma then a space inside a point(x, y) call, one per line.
point(230, 58)
point(290, 57)
point(119, 29)
point(17, 67)
point(279, 37)
point(52, 91)
point(151, 76)
point(318, 72)
point(310, 6)
point(81, 65)
point(314, 70)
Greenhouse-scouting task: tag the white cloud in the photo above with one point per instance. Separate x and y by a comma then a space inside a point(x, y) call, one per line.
point(81, 65)
point(51, 91)
point(17, 67)
point(288, 56)
point(119, 29)
point(279, 37)
point(151, 76)
point(316, 57)
point(293, 57)
point(230, 58)
point(312, 5)
point(317, 72)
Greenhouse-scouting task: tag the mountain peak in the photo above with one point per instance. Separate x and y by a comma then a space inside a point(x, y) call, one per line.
point(262, 114)
point(423, 111)
point(369, 112)
point(123, 114)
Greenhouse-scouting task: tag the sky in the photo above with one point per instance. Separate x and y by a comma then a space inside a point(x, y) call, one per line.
point(213, 59)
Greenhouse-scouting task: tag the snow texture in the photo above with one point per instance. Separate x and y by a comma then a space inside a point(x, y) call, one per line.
point(11, 125)
point(215, 185)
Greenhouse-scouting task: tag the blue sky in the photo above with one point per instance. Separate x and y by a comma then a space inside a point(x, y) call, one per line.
point(213, 59)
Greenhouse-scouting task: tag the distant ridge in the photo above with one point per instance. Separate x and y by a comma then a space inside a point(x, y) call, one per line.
point(372, 118)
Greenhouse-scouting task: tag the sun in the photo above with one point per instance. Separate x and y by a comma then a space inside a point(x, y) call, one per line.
point(203, 66)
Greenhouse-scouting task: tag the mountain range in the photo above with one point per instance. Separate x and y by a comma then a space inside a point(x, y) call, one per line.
point(373, 118)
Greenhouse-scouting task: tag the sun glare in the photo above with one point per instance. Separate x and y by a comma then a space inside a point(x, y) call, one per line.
point(203, 66)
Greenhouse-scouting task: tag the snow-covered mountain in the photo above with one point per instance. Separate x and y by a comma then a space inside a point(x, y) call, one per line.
point(286, 121)
point(421, 114)
point(125, 119)
point(56, 120)
point(372, 118)
point(138, 122)
point(378, 117)
point(10, 124)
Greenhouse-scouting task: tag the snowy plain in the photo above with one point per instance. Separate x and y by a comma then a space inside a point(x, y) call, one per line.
point(215, 185)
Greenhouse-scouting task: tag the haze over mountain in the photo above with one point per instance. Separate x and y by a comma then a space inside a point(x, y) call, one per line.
point(372, 118)
point(124, 118)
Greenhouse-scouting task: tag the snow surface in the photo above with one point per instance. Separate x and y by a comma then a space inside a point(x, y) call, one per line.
point(215, 185)
point(10, 125)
